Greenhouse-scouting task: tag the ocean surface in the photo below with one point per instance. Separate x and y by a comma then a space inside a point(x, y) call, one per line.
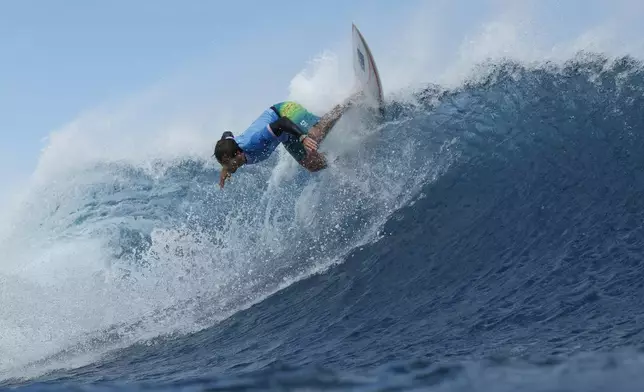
point(487, 237)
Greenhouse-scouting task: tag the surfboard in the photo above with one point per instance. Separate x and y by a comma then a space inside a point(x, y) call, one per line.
point(366, 72)
point(367, 82)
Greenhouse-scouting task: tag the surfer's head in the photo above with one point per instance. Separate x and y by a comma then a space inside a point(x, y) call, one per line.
point(228, 152)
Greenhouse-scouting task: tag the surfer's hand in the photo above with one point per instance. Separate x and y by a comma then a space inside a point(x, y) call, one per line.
point(223, 176)
point(310, 144)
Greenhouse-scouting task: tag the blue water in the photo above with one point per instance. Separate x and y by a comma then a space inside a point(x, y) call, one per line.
point(485, 238)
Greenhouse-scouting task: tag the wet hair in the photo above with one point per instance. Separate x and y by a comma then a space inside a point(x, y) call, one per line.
point(226, 147)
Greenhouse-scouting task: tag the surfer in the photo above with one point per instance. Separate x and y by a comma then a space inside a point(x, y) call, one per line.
point(289, 123)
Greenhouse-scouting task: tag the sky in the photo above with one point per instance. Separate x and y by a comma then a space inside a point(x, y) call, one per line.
point(61, 59)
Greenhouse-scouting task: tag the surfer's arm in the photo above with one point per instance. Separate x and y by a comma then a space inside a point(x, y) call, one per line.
point(284, 124)
point(223, 176)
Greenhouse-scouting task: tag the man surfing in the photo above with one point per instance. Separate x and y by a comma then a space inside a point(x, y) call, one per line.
point(289, 123)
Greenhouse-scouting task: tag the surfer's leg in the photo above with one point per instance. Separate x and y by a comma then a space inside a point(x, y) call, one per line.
point(319, 131)
point(315, 127)
point(314, 161)
point(310, 160)
point(305, 120)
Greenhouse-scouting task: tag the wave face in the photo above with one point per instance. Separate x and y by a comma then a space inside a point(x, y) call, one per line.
point(484, 237)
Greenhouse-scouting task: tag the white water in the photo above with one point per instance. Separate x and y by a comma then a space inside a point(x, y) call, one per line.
point(59, 280)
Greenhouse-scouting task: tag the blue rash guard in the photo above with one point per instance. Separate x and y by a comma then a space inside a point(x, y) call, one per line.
point(258, 142)
point(263, 136)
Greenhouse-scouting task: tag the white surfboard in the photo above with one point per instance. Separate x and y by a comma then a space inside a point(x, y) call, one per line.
point(366, 72)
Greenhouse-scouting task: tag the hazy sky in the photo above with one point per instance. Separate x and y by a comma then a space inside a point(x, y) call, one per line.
point(61, 58)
